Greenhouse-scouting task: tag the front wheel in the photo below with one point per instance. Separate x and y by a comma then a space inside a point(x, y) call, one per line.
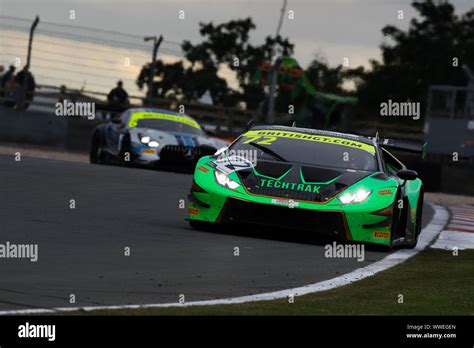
point(418, 222)
point(96, 154)
point(395, 226)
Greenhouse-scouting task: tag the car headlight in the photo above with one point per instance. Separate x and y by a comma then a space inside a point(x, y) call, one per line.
point(147, 140)
point(358, 197)
point(223, 180)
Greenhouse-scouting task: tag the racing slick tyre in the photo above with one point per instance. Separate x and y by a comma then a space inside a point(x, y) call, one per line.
point(96, 154)
point(418, 221)
point(397, 228)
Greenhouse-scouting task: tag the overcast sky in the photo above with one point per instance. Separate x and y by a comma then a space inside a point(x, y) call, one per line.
point(334, 28)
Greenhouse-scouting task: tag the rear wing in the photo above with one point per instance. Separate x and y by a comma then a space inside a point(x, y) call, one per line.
point(402, 145)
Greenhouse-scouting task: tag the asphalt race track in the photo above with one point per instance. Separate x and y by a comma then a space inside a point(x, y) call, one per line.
point(81, 250)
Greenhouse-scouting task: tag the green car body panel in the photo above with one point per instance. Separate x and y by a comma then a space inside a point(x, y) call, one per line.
point(370, 221)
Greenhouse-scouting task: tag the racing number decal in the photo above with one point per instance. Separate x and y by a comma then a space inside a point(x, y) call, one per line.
point(137, 116)
point(267, 140)
point(251, 138)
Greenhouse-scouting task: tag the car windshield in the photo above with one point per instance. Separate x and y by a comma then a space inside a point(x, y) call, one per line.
point(309, 149)
point(168, 126)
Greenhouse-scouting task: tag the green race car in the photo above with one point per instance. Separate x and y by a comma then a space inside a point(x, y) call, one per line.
point(338, 185)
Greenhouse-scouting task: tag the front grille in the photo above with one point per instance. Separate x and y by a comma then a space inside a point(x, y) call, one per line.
point(297, 195)
point(174, 153)
point(324, 223)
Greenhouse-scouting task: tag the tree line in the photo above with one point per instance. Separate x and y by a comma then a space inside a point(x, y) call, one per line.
point(431, 51)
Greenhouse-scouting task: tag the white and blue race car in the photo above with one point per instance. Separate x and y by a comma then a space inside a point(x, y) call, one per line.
point(152, 137)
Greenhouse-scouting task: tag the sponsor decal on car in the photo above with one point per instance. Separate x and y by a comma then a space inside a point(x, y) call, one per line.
point(228, 165)
point(203, 169)
point(148, 115)
point(385, 192)
point(149, 151)
point(193, 211)
point(381, 235)
point(267, 137)
point(289, 185)
point(285, 202)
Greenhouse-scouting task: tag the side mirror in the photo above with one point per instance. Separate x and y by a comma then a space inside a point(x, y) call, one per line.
point(407, 174)
point(209, 133)
point(221, 150)
point(116, 120)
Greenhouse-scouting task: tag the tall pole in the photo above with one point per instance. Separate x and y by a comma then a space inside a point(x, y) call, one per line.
point(27, 66)
point(274, 70)
point(156, 45)
point(272, 91)
point(282, 14)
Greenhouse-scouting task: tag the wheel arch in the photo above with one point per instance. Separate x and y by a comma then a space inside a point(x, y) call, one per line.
point(100, 131)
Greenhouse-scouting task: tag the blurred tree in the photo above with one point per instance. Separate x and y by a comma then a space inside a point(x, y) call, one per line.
point(169, 82)
point(423, 55)
point(323, 77)
point(225, 44)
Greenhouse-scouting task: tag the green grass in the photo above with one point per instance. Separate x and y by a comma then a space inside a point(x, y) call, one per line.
point(434, 283)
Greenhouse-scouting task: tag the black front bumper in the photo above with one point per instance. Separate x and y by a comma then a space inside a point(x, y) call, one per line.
point(181, 155)
point(322, 223)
